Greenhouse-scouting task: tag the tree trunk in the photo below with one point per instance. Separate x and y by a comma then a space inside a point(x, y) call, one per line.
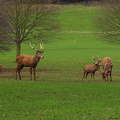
point(18, 49)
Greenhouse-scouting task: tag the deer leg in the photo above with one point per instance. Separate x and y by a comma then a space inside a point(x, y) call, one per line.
point(19, 74)
point(91, 75)
point(16, 73)
point(19, 71)
point(17, 68)
point(110, 76)
point(31, 73)
point(87, 75)
point(111, 73)
point(105, 78)
point(84, 75)
point(34, 71)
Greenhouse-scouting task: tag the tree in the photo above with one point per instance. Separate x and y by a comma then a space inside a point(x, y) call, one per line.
point(25, 20)
point(109, 21)
point(5, 43)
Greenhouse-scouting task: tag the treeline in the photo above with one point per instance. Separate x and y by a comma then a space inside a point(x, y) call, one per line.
point(71, 1)
point(64, 1)
point(54, 1)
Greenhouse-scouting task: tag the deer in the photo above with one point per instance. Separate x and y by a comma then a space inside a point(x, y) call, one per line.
point(107, 72)
point(91, 69)
point(29, 61)
point(106, 60)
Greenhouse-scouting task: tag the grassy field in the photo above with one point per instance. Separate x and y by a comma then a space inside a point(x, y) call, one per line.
point(58, 93)
point(43, 100)
point(75, 43)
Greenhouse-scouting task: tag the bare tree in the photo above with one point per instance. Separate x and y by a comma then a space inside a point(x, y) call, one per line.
point(25, 20)
point(109, 21)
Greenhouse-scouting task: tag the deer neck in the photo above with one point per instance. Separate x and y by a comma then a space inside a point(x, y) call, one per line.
point(36, 59)
point(97, 66)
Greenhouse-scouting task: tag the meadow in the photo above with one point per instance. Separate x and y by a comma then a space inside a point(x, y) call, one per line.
point(58, 93)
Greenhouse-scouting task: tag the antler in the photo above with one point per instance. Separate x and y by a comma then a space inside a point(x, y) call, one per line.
point(31, 46)
point(41, 45)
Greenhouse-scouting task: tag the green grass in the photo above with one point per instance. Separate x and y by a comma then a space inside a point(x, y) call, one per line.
point(78, 18)
point(29, 100)
point(58, 93)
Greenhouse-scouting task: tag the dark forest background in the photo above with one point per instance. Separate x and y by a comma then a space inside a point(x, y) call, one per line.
point(58, 1)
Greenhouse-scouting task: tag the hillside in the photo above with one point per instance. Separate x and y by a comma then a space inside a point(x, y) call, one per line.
point(76, 42)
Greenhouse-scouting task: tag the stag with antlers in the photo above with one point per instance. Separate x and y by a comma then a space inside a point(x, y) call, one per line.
point(29, 61)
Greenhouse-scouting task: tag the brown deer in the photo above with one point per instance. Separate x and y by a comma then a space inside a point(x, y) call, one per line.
point(106, 60)
point(107, 72)
point(91, 69)
point(29, 61)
